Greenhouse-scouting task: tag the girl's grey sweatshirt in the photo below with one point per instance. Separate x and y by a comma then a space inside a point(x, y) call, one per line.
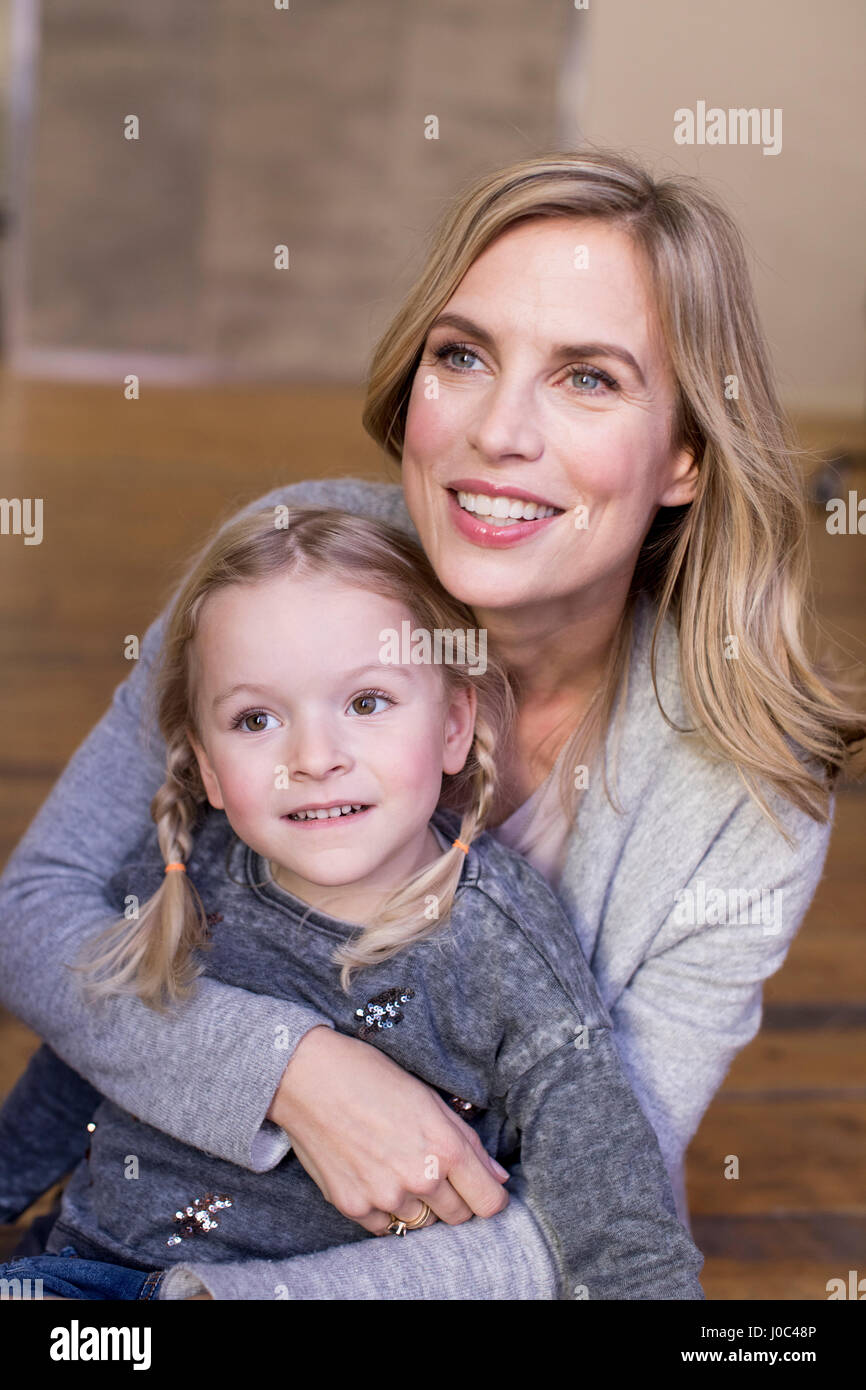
point(683, 896)
point(497, 1010)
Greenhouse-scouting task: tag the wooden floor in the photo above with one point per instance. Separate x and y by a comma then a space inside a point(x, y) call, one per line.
point(130, 487)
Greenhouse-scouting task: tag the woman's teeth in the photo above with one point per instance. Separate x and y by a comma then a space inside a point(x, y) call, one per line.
point(504, 511)
point(330, 814)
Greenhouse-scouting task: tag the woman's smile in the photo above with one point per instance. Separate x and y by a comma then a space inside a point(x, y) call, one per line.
point(498, 521)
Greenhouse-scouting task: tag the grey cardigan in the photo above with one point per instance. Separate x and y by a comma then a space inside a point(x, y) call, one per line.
point(684, 899)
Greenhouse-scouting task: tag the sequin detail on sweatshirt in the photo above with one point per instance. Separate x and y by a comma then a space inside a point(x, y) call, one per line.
point(464, 1107)
point(382, 1011)
point(199, 1217)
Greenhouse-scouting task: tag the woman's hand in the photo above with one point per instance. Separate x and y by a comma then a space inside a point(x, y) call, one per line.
point(375, 1139)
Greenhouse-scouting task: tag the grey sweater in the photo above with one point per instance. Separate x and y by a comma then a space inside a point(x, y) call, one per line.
point(497, 1009)
point(682, 986)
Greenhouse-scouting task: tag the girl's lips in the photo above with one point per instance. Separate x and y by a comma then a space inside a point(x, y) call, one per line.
point(476, 529)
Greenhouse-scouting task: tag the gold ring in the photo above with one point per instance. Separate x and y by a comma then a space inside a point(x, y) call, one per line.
point(419, 1220)
point(398, 1227)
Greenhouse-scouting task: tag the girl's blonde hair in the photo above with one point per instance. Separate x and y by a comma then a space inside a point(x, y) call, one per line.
point(733, 563)
point(153, 957)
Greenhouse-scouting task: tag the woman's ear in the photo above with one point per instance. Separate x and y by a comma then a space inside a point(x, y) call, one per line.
point(459, 727)
point(682, 481)
point(208, 776)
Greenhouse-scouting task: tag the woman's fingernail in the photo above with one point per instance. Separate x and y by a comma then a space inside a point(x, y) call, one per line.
point(503, 1172)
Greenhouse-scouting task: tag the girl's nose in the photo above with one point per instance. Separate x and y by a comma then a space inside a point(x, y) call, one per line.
point(314, 750)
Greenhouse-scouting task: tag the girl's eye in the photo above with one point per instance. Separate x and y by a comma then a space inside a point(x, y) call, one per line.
point(369, 698)
point(448, 350)
point(594, 375)
point(252, 721)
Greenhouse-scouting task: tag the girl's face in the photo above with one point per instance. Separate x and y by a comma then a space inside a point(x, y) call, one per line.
point(297, 711)
point(543, 378)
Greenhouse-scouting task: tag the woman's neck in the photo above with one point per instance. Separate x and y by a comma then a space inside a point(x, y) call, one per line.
point(557, 667)
point(555, 652)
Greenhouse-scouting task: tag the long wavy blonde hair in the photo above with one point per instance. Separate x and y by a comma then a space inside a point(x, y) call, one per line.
point(154, 956)
point(733, 563)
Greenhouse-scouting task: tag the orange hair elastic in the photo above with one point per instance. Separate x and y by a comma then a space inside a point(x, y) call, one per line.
point(181, 868)
point(460, 845)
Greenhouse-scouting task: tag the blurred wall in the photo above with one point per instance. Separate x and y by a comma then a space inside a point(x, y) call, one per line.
point(307, 126)
point(803, 210)
point(258, 127)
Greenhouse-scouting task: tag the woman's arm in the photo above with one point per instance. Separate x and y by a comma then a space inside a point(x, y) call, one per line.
point(613, 1206)
point(504, 1258)
point(695, 1002)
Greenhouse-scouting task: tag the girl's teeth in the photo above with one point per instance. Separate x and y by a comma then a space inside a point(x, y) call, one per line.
point(331, 814)
point(503, 511)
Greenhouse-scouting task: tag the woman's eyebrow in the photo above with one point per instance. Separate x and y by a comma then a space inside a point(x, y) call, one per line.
point(565, 350)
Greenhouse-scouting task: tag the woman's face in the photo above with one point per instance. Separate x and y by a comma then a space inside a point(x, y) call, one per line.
point(544, 377)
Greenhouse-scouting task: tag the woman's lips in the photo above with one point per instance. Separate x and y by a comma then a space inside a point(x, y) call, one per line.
point(476, 528)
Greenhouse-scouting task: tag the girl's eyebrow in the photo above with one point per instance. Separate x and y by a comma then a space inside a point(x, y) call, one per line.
point(382, 669)
point(564, 350)
point(236, 690)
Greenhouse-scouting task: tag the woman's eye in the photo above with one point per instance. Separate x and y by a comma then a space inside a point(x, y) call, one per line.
point(597, 379)
point(449, 351)
point(254, 722)
point(369, 699)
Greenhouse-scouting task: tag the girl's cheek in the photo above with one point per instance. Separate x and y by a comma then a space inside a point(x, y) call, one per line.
point(247, 789)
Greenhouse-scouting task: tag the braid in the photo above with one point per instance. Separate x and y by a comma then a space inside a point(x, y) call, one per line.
point(484, 779)
point(175, 807)
point(152, 956)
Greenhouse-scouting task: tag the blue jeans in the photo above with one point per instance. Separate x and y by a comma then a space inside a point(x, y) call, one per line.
point(68, 1275)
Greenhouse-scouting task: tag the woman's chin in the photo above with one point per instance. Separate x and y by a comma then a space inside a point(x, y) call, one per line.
point(494, 581)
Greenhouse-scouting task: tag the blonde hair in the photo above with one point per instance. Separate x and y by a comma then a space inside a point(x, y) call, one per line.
point(733, 563)
point(153, 957)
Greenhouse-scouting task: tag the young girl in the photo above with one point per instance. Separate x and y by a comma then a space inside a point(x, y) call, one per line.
point(330, 715)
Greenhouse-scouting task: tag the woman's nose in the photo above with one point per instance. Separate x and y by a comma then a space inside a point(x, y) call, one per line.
point(505, 423)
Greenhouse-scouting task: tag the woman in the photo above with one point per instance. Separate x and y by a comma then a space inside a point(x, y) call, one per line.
point(583, 340)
